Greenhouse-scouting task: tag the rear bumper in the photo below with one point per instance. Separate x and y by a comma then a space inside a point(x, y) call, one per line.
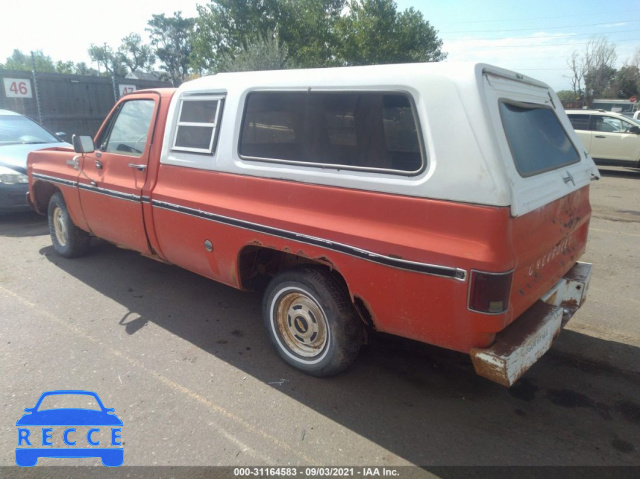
point(524, 341)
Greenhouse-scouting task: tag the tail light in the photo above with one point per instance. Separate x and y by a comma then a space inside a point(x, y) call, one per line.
point(489, 292)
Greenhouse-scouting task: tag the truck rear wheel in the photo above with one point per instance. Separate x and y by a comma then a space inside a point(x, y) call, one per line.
point(311, 321)
point(68, 240)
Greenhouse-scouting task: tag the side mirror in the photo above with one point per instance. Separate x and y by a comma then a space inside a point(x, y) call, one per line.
point(83, 144)
point(28, 409)
point(635, 129)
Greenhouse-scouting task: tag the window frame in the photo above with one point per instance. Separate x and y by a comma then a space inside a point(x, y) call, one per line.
point(537, 106)
point(331, 166)
point(589, 121)
point(627, 130)
point(215, 125)
point(106, 138)
point(102, 138)
point(609, 120)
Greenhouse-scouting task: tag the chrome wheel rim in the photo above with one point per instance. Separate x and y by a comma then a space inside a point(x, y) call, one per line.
point(59, 226)
point(302, 324)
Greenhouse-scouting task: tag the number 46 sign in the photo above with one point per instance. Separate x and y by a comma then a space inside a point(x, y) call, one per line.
point(17, 88)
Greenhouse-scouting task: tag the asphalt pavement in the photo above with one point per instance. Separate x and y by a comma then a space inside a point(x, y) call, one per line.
point(187, 366)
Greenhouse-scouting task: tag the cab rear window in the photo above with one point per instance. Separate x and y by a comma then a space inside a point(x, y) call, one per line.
point(537, 140)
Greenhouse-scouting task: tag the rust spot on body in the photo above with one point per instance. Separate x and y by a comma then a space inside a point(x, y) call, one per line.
point(364, 311)
point(326, 261)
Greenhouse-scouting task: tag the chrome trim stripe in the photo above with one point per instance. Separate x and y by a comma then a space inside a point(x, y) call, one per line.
point(94, 189)
point(414, 266)
point(436, 270)
point(112, 193)
point(54, 179)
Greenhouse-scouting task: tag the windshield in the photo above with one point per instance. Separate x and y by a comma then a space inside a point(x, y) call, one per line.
point(75, 401)
point(16, 129)
point(537, 140)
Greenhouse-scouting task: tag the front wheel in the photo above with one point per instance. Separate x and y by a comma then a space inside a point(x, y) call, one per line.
point(311, 321)
point(68, 240)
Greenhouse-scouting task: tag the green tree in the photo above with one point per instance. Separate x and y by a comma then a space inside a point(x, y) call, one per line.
point(600, 82)
point(566, 95)
point(224, 28)
point(112, 61)
point(68, 68)
point(171, 40)
point(136, 55)
point(374, 32)
point(307, 28)
point(21, 61)
point(628, 81)
point(315, 32)
point(569, 99)
point(83, 69)
point(262, 55)
point(593, 70)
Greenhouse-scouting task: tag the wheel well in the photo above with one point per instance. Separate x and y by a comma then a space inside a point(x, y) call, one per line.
point(257, 265)
point(42, 192)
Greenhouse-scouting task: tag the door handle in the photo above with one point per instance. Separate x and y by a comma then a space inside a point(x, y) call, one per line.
point(98, 164)
point(600, 136)
point(138, 167)
point(73, 162)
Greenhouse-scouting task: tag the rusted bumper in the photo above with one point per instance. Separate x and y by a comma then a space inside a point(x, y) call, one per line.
point(524, 341)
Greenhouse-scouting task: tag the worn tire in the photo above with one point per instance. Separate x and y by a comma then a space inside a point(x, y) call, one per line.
point(68, 240)
point(311, 321)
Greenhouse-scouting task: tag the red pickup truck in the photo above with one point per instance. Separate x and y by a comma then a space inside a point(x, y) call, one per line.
point(444, 203)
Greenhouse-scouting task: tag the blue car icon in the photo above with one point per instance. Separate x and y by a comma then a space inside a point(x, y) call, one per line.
point(97, 419)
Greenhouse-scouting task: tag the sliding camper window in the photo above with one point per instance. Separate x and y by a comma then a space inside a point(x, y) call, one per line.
point(537, 140)
point(342, 130)
point(197, 124)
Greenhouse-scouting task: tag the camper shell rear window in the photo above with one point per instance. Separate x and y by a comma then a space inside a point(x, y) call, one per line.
point(537, 139)
point(342, 130)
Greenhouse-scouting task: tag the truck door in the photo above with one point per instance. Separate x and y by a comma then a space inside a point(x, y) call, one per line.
point(112, 177)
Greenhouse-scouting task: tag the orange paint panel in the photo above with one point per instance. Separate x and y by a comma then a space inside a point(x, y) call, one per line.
point(547, 243)
point(424, 307)
point(415, 229)
point(52, 163)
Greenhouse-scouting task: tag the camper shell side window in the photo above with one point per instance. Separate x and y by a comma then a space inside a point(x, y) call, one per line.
point(343, 130)
point(197, 125)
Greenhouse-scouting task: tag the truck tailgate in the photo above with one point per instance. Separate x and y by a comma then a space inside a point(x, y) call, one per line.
point(547, 243)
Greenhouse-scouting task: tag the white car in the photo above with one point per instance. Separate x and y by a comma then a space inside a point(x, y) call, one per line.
point(610, 138)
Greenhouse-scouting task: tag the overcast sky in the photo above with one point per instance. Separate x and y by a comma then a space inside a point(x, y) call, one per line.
point(535, 38)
